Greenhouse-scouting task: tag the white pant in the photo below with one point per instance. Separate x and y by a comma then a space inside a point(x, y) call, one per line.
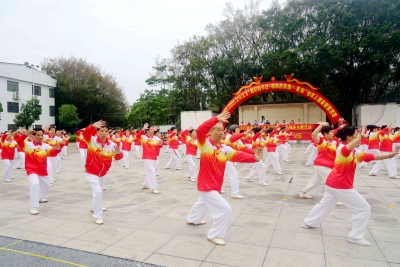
point(83, 152)
point(8, 168)
point(220, 210)
point(289, 147)
point(320, 175)
point(249, 146)
point(49, 170)
point(283, 150)
point(59, 162)
point(260, 169)
point(150, 179)
point(157, 164)
point(137, 151)
point(97, 185)
point(308, 149)
point(389, 163)
point(358, 206)
point(39, 187)
point(64, 151)
point(394, 145)
point(174, 153)
point(21, 161)
point(126, 158)
point(311, 158)
point(191, 159)
point(230, 171)
point(273, 159)
point(54, 165)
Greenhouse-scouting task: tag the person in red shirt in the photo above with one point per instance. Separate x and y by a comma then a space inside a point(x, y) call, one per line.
point(173, 150)
point(190, 139)
point(36, 153)
point(101, 150)
point(273, 158)
point(82, 146)
point(151, 149)
point(323, 163)
point(213, 158)
point(126, 140)
point(259, 167)
point(386, 147)
point(8, 146)
point(373, 142)
point(339, 187)
point(396, 138)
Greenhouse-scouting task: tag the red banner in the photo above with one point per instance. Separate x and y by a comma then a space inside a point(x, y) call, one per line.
point(299, 131)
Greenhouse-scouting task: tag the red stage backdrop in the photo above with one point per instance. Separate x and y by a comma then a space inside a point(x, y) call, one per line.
point(300, 131)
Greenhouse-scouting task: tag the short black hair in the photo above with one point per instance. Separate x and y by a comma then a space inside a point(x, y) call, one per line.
point(345, 132)
point(37, 130)
point(326, 129)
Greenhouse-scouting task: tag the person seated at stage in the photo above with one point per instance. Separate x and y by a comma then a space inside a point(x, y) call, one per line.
point(248, 123)
point(255, 123)
point(291, 122)
point(299, 121)
point(284, 122)
point(267, 122)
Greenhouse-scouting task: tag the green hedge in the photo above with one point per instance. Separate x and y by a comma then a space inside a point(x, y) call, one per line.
point(72, 138)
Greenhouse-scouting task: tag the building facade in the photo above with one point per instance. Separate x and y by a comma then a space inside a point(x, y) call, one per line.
point(20, 83)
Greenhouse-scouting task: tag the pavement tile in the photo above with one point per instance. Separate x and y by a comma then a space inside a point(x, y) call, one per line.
point(390, 250)
point(72, 229)
point(278, 257)
point(144, 240)
point(170, 226)
point(84, 246)
point(105, 234)
point(297, 241)
point(290, 225)
point(387, 235)
point(126, 253)
point(256, 221)
point(338, 261)
point(249, 235)
point(170, 261)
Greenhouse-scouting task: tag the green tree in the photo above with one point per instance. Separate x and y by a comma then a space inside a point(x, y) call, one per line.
point(69, 115)
point(1, 109)
point(30, 113)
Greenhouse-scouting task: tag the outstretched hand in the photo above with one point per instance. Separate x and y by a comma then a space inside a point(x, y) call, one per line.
point(99, 124)
point(145, 126)
point(117, 149)
point(224, 116)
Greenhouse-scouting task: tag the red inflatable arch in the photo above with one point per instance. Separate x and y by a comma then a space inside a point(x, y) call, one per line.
point(291, 85)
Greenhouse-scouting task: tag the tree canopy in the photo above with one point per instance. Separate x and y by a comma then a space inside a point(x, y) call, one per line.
point(96, 94)
point(69, 115)
point(30, 112)
point(347, 48)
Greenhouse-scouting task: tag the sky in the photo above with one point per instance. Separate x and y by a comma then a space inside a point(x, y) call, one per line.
point(124, 37)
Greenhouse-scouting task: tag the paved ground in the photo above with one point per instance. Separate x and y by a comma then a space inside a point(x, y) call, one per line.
point(265, 227)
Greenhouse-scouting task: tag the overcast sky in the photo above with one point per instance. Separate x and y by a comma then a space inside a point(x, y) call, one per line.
point(124, 37)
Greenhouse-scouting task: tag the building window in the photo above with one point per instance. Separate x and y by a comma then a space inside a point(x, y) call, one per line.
point(12, 127)
point(52, 111)
point(12, 86)
point(37, 90)
point(51, 92)
point(13, 107)
point(40, 107)
point(37, 126)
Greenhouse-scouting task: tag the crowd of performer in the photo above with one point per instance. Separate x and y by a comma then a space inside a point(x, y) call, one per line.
point(334, 155)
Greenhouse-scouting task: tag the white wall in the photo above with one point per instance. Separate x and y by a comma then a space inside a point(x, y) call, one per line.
point(195, 118)
point(23, 75)
point(307, 112)
point(380, 114)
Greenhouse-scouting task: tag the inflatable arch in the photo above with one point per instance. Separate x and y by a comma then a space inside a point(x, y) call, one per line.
point(291, 85)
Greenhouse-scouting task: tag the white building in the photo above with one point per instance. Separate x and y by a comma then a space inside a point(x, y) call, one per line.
point(19, 83)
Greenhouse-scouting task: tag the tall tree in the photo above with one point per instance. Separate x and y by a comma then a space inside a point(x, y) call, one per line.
point(30, 112)
point(69, 115)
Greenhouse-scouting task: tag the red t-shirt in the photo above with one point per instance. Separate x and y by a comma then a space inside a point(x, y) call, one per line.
point(151, 149)
point(342, 175)
point(326, 153)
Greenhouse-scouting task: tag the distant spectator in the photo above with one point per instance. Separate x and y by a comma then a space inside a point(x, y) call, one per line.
point(255, 123)
point(291, 122)
point(299, 121)
point(248, 123)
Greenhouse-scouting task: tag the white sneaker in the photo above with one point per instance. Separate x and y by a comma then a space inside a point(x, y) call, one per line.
point(395, 177)
point(306, 226)
point(286, 160)
point(193, 180)
point(264, 184)
point(51, 185)
point(339, 203)
point(144, 187)
point(217, 241)
point(361, 242)
point(372, 174)
point(248, 180)
point(34, 211)
point(200, 223)
point(57, 172)
point(279, 173)
point(222, 192)
point(104, 209)
point(155, 191)
point(237, 196)
point(43, 200)
point(8, 180)
point(305, 196)
point(98, 221)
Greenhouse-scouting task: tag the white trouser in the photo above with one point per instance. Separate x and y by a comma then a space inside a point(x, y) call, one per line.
point(97, 184)
point(21, 161)
point(77, 144)
point(166, 149)
point(230, 171)
point(249, 146)
point(358, 206)
point(39, 187)
point(389, 163)
point(150, 179)
point(282, 150)
point(54, 163)
point(16, 155)
point(49, 171)
point(311, 158)
point(182, 148)
point(137, 151)
point(220, 210)
point(64, 151)
point(83, 152)
point(174, 153)
point(126, 158)
point(308, 149)
point(289, 147)
point(191, 159)
point(273, 159)
point(260, 169)
point(59, 162)
point(157, 164)
point(8, 168)
point(320, 175)
point(362, 148)
point(374, 151)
